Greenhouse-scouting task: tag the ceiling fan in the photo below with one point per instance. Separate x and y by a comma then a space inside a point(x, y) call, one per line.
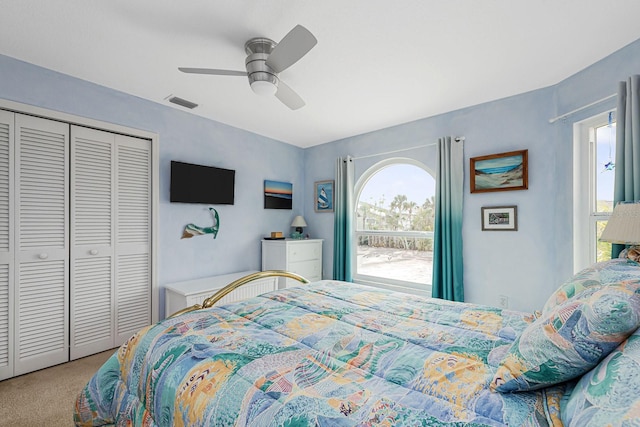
point(266, 60)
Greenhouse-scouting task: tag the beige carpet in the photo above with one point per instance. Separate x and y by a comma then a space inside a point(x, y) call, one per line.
point(46, 397)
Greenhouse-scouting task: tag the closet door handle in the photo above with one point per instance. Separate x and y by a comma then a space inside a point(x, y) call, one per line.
point(43, 255)
point(93, 252)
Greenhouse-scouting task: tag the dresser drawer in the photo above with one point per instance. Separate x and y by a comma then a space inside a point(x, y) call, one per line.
point(310, 270)
point(303, 257)
point(304, 251)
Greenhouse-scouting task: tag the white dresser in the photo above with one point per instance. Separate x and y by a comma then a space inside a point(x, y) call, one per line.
point(303, 257)
point(181, 295)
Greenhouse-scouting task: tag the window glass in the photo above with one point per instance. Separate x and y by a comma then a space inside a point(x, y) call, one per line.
point(604, 169)
point(394, 226)
point(594, 172)
point(603, 249)
point(604, 172)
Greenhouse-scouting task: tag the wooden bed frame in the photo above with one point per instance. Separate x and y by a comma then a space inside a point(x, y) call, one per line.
point(210, 301)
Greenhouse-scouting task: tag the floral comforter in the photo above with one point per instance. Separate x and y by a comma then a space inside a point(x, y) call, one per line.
point(326, 354)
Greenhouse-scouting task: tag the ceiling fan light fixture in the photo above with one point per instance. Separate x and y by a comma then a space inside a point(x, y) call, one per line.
point(265, 60)
point(262, 78)
point(263, 87)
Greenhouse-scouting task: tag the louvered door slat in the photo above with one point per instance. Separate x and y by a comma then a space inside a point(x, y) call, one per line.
point(42, 290)
point(134, 193)
point(6, 249)
point(92, 302)
point(42, 317)
point(5, 143)
point(4, 317)
point(42, 184)
point(133, 294)
point(133, 236)
point(92, 219)
point(92, 202)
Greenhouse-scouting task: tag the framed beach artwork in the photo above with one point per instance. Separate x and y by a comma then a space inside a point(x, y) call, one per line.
point(500, 218)
point(323, 196)
point(499, 172)
point(278, 195)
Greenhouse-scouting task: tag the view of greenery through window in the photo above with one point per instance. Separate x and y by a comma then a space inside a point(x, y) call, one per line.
point(604, 176)
point(394, 225)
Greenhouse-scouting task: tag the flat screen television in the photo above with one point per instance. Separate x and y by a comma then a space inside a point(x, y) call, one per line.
point(201, 184)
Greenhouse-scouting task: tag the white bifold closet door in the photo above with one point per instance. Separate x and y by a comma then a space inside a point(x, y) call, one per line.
point(75, 241)
point(42, 242)
point(110, 239)
point(6, 244)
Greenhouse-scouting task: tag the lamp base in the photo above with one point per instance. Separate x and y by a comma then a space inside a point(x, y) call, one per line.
point(632, 253)
point(299, 230)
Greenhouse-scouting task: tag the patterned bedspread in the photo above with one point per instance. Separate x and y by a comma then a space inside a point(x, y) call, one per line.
point(327, 354)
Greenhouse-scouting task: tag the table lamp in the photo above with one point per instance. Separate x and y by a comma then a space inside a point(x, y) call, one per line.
point(623, 227)
point(298, 223)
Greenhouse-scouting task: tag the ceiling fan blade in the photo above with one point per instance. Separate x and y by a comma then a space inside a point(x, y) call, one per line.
point(212, 71)
point(291, 48)
point(289, 97)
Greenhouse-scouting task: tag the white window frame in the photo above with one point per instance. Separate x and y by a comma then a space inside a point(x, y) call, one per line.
point(377, 281)
point(585, 216)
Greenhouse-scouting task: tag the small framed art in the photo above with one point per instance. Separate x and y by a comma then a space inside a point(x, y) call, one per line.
point(499, 172)
point(323, 196)
point(278, 195)
point(500, 218)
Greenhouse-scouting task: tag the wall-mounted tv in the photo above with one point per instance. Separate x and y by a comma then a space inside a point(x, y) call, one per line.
point(201, 184)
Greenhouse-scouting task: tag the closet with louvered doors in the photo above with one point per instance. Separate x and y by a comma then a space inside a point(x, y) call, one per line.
point(110, 239)
point(75, 241)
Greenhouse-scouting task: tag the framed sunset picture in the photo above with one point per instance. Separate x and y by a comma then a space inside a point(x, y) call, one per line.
point(499, 172)
point(278, 195)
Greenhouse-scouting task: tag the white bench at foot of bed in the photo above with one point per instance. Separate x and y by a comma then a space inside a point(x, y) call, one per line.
point(181, 295)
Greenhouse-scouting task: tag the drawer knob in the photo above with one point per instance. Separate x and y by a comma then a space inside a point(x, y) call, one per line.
point(93, 252)
point(43, 255)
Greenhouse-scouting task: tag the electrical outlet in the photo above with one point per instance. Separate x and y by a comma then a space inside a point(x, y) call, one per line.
point(503, 301)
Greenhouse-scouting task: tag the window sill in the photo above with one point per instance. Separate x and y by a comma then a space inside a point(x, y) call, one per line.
point(407, 288)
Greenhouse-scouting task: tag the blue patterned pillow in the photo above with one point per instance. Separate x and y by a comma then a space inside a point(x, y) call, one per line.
point(610, 393)
point(617, 270)
point(571, 339)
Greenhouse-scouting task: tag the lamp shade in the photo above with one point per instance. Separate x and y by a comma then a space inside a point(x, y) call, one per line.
point(624, 224)
point(298, 222)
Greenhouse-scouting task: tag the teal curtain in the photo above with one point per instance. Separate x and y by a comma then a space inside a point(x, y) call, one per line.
point(626, 187)
point(343, 220)
point(447, 242)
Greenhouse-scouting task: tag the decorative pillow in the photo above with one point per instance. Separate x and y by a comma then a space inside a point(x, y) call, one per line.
point(603, 273)
point(610, 393)
point(571, 339)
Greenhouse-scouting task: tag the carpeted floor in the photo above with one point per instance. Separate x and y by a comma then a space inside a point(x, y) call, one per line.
point(46, 397)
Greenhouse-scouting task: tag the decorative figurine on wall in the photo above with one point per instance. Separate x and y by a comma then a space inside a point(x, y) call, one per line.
point(191, 230)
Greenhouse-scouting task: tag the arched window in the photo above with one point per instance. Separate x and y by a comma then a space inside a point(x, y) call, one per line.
point(395, 209)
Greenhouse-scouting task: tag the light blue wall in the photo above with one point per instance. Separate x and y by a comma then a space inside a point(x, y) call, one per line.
point(494, 262)
point(529, 264)
point(189, 138)
point(598, 81)
point(525, 265)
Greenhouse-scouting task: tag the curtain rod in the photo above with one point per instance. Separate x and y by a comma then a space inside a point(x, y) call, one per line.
point(565, 115)
point(457, 139)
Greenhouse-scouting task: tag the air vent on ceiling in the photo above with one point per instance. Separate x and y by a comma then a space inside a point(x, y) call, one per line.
point(183, 102)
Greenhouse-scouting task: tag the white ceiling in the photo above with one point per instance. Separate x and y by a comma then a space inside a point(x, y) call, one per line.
point(378, 63)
